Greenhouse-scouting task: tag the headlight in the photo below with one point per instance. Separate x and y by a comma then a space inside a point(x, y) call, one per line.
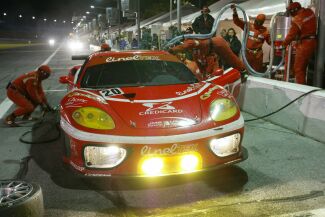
point(222, 109)
point(189, 163)
point(94, 118)
point(152, 166)
point(51, 42)
point(225, 146)
point(103, 157)
point(75, 45)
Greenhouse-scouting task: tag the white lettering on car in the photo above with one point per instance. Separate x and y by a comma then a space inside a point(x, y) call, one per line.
point(107, 93)
point(160, 108)
point(189, 89)
point(74, 102)
point(129, 58)
point(174, 149)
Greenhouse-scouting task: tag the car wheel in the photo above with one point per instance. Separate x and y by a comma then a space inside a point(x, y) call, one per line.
point(20, 199)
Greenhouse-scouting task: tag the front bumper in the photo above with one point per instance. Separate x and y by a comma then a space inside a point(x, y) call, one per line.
point(170, 148)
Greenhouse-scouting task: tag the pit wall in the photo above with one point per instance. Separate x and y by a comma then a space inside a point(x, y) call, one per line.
point(306, 116)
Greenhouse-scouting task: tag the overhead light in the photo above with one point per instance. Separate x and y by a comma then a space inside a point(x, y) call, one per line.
point(63, 21)
point(92, 6)
point(20, 16)
point(84, 17)
point(87, 12)
point(33, 17)
point(71, 22)
point(44, 19)
point(5, 14)
point(54, 20)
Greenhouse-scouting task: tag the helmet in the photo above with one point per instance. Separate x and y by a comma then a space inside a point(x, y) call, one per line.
point(44, 71)
point(105, 47)
point(293, 8)
point(259, 20)
point(205, 9)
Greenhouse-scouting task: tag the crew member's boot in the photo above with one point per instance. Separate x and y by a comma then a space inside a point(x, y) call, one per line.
point(10, 120)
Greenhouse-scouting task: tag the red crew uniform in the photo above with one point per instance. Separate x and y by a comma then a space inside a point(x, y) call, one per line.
point(303, 29)
point(26, 92)
point(204, 51)
point(256, 37)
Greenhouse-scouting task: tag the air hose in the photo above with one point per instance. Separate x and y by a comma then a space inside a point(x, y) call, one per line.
point(285, 106)
point(48, 128)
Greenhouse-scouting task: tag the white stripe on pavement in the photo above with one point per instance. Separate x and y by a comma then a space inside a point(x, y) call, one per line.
point(7, 103)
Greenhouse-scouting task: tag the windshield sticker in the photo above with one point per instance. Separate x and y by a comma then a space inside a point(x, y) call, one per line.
point(111, 92)
point(129, 58)
point(189, 89)
point(159, 108)
point(174, 149)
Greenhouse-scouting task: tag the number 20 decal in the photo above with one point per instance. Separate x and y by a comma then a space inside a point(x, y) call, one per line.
point(111, 92)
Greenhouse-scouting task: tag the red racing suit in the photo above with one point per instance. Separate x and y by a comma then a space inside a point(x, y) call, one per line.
point(206, 49)
point(303, 29)
point(255, 41)
point(26, 92)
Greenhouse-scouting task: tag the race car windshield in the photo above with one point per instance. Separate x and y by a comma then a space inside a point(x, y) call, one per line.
point(137, 73)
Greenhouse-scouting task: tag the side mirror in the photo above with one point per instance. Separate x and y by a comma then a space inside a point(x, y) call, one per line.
point(65, 80)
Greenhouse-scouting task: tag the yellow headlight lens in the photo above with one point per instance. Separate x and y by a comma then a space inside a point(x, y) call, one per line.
point(94, 118)
point(223, 109)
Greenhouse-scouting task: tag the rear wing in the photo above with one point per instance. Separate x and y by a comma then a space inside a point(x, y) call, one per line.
point(79, 57)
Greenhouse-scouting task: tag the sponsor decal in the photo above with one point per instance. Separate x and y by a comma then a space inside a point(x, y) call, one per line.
point(106, 94)
point(189, 89)
point(207, 94)
point(173, 149)
point(76, 166)
point(221, 92)
point(160, 108)
point(164, 124)
point(129, 58)
point(97, 98)
point(75, 102)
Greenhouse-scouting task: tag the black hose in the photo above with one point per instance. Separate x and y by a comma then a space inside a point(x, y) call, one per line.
point(283, 107)
point(39, 125)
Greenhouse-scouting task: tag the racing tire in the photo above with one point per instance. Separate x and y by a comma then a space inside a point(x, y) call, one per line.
point(20, 199)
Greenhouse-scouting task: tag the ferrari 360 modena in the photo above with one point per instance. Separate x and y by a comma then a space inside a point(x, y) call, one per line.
point(144, 113)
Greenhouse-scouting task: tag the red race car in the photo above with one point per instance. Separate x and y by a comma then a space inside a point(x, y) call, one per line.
point(144, 113)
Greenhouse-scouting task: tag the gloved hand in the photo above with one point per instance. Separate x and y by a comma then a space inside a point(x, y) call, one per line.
point(233, 7)
point(47, 108)
point(243, 76)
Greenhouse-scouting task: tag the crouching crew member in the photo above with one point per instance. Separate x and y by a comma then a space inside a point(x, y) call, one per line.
point(27, 93)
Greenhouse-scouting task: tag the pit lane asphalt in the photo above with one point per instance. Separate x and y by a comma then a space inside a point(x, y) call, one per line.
point(285, 172)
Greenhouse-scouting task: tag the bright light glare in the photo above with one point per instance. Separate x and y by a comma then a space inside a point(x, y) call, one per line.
point(4, 14)
point(75, 45)
point(51, 42)
point(152, 166)
point(189, 163)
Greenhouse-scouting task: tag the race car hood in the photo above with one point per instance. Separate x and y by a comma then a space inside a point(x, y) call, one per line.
point(156, 106)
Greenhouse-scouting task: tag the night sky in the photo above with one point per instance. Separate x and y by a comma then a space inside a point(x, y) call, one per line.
point(50, 9)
